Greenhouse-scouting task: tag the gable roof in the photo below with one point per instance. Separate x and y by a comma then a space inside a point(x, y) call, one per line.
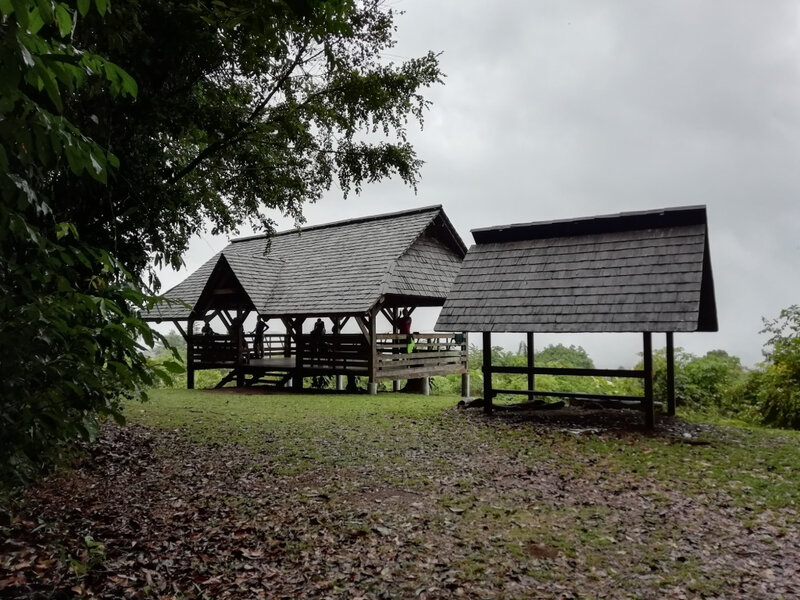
point(338, 268)
point(634, 272)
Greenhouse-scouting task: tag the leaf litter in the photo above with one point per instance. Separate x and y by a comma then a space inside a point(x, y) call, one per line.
point(460, 506)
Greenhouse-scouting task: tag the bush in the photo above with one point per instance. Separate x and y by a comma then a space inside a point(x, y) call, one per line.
point(776, 390)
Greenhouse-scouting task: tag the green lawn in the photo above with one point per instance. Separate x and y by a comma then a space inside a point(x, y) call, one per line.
point(341, 496)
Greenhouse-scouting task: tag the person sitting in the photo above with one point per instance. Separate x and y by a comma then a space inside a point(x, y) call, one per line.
point(206, 330)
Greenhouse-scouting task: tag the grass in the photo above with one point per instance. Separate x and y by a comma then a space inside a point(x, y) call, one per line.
point(756, 466)
point(508, 506)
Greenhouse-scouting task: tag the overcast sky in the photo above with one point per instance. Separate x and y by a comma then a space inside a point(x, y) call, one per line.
point(561, 109)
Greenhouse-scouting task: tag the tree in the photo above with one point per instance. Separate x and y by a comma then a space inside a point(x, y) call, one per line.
point(69, 330)
point(559, 355)
point(243, 106)
point(777, 387)
point(240, 106)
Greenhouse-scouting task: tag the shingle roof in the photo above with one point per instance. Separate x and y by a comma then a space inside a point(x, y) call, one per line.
point(647, 271)
point(338, 268)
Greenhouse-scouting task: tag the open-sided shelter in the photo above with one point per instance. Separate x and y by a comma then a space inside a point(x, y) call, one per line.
point(358, 269)
point(642, 272)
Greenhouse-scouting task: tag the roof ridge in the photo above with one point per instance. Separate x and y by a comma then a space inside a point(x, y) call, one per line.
point(625, 221)
point(353, 221)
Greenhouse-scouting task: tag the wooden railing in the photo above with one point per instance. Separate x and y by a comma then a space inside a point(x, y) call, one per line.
point(221, 349)
point(334, 353)
point(429, 354)
point(395, 357)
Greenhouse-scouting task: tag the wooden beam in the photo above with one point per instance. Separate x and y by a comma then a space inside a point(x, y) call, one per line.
point(530, 352)
point(648, 405)
point(180, 330)
point(393, 321)
point(364, 326)
point(297, 327)
point(189, 355)
point(571, 371)
point(670, 375)
point(487, 372)
point(373, 352)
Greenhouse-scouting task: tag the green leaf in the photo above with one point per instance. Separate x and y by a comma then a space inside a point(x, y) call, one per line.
point(83, 7)
point(102, 6)
point(63, 19)
point(45, 10)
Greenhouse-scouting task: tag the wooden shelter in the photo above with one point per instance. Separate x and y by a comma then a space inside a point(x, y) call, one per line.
point(642, 272)
point(361, 269)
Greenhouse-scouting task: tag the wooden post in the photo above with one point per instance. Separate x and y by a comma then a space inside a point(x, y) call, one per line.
point(465, 392)
point(670, 374)
point(395, 382)
point(426, 386)
point(190, 355)
point(531, 376)
point(487, 372)
point(299, 353)
point(648, 405)
point(239, 348)
point(372, 385)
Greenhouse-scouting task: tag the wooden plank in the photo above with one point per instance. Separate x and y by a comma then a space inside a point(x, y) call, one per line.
point(576, 395)
point(572, 372)
point(423, 372)
point(458, 354)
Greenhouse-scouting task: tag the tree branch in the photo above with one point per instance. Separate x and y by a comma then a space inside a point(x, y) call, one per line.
point(219, 145)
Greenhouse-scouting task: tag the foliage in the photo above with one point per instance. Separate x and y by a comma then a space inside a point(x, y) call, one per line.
point(706, 382)
point(244, 106)
point(240, 106)
point(776, 389)
point(69, 330)
point(556, 355)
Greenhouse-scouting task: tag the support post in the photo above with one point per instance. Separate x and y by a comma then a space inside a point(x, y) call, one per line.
point(239, 348)
point(339, 383)
point(395, 382)
point(648, 405)
point(465, 385)
point(297, 327)
point(487, 372)
point(670, 374)
point(189, 335)
point(530, 352)
point(373, 353)
point(426, 386)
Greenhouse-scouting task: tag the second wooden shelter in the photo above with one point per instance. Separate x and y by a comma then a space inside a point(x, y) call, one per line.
point(643, 272)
